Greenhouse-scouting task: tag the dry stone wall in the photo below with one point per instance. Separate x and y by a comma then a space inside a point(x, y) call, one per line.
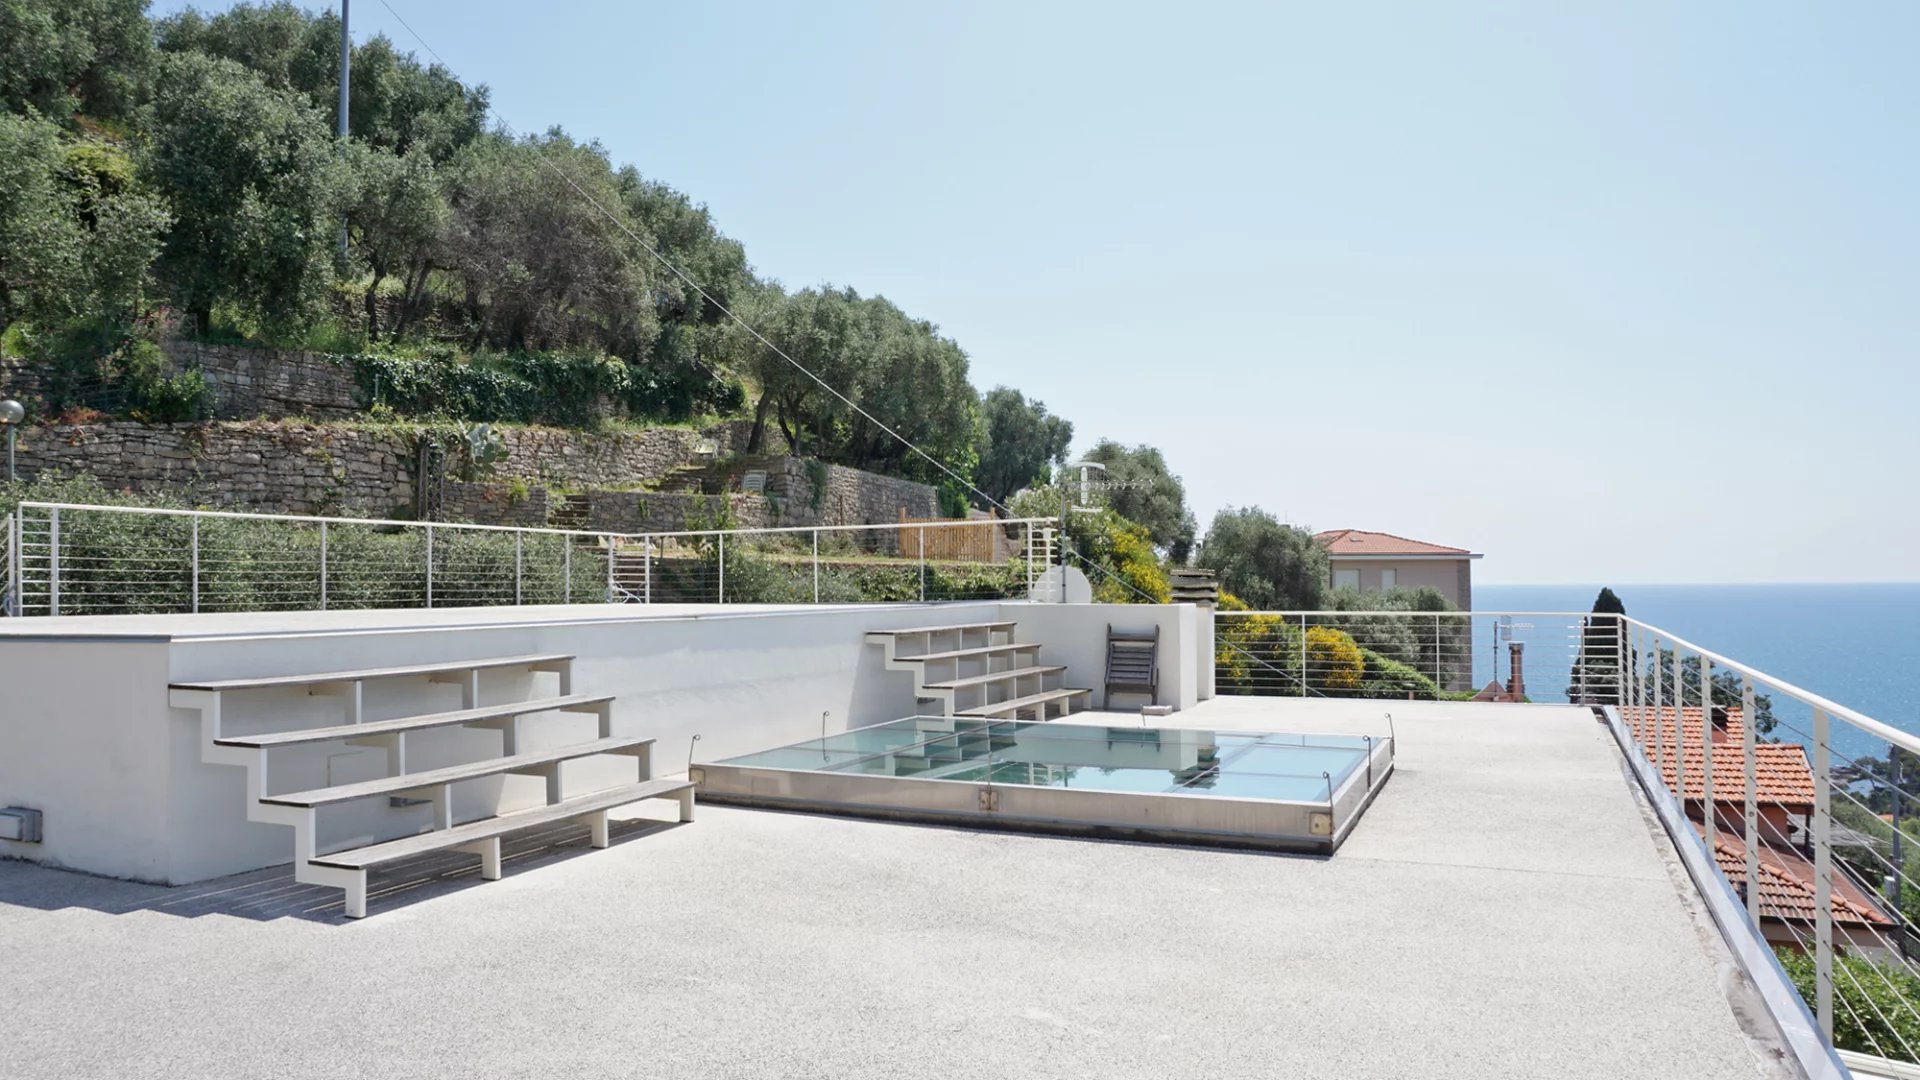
point(299, 467)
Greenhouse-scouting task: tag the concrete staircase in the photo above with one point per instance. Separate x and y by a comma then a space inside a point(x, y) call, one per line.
point(348, 868)
point(978, 670)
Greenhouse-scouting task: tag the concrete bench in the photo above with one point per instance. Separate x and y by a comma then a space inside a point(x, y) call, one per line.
point(599, 704)
point(990, 677)
point(349, 868)
point(980, 651)
point(1041, 703)
point(543, 662)
point(208, 695)
point(435, 781)
point(877, 635)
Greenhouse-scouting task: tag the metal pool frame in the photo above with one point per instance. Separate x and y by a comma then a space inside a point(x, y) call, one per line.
point(1314, 827)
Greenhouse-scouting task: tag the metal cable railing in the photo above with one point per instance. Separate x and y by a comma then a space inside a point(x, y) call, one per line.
point(71, 559)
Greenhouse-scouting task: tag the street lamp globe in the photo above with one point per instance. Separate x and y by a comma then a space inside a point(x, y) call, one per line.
point(11, 412)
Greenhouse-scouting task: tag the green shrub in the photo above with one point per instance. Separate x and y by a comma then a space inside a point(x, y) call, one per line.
point(1873, 1003)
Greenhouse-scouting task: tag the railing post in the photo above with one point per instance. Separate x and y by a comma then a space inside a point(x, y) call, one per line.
point(1706, 754)
point(1822, 876)
point(646, 569)
point(323, 566)
point(429, 566)
point(566, 569)
point(518, 544)
point(923, 564)
point(1029, 560)
point(1619, 661)
point(1748, 741)
point(816, 567)
point(1653, 724)
point(193, 561)
point(723, 568)
point(53, 561)
point(613, 554)
point(14, 602)
point(1303, 656)
point(1439, 678)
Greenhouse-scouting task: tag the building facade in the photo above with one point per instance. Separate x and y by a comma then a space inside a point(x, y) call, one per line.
point(1377, 561)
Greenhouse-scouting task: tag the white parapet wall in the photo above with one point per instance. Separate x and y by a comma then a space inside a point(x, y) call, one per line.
point(87, 735)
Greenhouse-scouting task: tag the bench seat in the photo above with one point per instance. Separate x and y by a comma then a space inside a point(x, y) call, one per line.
point(955, 628)
point(452, 774)
point(482, 837)
point(277, 681)
point(977, 651)
point(997, 676)
point(1038, 702)
point(403, 725)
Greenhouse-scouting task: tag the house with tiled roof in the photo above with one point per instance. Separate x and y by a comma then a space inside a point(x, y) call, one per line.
point(1783, 792)
point(1377, 561)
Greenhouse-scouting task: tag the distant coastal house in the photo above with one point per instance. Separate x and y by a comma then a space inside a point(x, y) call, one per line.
point(1377, 561)
point(1784, 804)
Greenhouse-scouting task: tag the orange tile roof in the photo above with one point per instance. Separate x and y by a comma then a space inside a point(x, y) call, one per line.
point(1786, 883)
point(1360, 542)
point(1781, 772)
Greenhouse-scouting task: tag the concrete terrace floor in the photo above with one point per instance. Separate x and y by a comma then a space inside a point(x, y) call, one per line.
point(1505, 909)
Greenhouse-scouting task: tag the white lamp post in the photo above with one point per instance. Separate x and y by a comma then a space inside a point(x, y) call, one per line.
point(11, 413)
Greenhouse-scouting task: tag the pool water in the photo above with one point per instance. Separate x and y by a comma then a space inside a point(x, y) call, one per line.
point(1165, 761)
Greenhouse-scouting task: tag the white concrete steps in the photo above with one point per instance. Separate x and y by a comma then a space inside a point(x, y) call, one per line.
point(964, 666)
point(539, 763)
point(593, 703)
point(263, 754)
point(482, 837)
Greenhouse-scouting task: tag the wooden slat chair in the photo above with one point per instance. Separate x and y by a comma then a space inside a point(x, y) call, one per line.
point(1133, 663)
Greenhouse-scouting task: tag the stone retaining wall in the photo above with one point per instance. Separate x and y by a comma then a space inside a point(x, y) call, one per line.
point(305, 468)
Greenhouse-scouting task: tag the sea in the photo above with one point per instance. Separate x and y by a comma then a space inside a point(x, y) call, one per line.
point(1857, 645)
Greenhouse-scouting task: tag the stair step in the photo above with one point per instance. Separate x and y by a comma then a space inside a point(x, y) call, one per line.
point(997, 676)
point(365, 674)
point(389, 851)
point(1031, 701)
point(982, 650)
point(873, 635)
point(566, 703)
point(455, 773)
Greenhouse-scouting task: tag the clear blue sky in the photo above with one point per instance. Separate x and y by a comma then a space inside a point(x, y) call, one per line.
point(1627, 295)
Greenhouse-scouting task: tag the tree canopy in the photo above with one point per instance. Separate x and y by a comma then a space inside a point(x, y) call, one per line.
point(1140, 487)
point(1023, 442)
point(1269, 565)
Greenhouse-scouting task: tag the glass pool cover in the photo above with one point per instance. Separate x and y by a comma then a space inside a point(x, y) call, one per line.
point(1161, 761)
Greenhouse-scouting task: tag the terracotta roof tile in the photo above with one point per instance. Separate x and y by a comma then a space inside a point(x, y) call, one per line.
point(1781, 772)
point(1361, 542)
point(1786, 884)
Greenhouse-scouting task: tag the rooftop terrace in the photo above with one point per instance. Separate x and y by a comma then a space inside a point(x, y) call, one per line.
point(1508, 908)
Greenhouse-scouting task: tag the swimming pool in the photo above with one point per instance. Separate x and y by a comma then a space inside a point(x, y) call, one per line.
point(1290, 791)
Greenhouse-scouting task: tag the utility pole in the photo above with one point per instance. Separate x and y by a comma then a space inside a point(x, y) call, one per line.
point(346, 69)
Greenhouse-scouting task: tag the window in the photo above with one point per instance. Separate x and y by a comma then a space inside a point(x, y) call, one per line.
point(1346, 579)
point(1389, 579)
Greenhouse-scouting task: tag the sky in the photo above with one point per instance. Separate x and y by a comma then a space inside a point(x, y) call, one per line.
point(1621, 295)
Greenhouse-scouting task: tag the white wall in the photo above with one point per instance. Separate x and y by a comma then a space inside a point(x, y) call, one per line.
point(83, 739)
point(1076, 635)
point(87, 736)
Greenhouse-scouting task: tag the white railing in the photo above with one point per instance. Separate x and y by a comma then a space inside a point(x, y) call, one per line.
point(9, 565)
point(1810, 799)
point(75, 559)
point(1396, 654)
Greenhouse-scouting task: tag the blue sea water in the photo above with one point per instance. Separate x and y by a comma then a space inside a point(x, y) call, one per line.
point(1858, 645)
